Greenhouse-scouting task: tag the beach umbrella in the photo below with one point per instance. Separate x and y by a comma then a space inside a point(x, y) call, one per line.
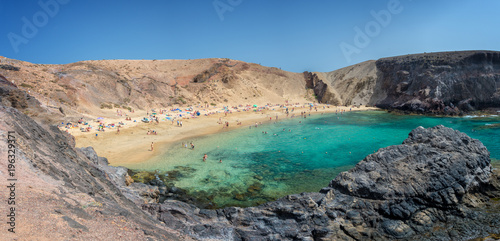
point(254, 105)
point(100, 118)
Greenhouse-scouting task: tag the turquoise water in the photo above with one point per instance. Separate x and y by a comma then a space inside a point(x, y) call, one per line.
point(296, 155)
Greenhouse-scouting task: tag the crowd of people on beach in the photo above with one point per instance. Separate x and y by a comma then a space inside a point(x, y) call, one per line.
point(177, 115)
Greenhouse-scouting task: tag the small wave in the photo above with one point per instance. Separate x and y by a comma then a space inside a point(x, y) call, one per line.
point(479, 116)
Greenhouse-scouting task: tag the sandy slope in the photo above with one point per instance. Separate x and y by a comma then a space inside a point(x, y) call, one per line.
point(89, 87)
point(352, 85)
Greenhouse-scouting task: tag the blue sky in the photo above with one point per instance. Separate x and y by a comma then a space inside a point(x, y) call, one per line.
point(321, 35)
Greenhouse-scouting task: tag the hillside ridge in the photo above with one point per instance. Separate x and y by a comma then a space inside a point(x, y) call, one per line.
point(448, 83)
point(94, 86)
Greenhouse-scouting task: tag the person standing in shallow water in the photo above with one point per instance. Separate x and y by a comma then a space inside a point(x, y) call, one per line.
point(205, 157)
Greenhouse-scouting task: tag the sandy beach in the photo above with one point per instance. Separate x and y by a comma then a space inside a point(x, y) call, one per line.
point(133, 144)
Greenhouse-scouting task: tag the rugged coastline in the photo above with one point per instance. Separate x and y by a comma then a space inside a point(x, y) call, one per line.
point(443, 83)
point(438, 184)
point(452, 193)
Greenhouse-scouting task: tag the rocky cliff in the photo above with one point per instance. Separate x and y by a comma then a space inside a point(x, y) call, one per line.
point(437, 185)
point(442, 83)
point(62, 193)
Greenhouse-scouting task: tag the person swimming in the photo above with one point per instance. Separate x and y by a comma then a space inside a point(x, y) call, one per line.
point(205, 157)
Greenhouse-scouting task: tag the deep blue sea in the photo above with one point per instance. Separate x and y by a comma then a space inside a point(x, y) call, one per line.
point(297, 155)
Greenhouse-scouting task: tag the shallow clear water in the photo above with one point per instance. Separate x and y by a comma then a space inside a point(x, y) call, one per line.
point(296, 157)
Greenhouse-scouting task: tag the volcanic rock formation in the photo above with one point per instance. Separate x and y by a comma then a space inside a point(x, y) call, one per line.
point(434, 186)
point(441, 83)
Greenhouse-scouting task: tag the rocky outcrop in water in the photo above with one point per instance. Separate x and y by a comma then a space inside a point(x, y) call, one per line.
point(437, 185)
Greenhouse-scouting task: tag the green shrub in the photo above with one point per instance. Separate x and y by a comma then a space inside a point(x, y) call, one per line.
point(26, 85)
point(106, 106)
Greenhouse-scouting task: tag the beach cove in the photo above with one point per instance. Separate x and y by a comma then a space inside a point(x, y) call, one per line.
point(132, 144)
point(276, 158)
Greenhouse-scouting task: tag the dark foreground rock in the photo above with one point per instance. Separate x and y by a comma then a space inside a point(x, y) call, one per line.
point(437, 185)
point(68, 193)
